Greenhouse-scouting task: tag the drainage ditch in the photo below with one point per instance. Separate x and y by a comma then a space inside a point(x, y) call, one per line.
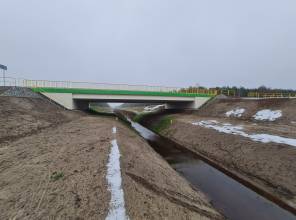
point(234, 200)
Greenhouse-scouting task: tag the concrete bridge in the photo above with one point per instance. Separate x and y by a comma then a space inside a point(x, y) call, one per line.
point(78, 95)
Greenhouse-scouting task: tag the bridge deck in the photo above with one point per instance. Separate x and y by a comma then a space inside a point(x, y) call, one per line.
point(117, 92)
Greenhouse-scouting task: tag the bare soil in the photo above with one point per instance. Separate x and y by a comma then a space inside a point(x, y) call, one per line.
point(53, 166)
point(218, 108)
point(25, 116)
point(78, 150)
point(270, 167)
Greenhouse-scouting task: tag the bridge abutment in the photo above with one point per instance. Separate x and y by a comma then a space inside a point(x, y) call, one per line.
point(64, 99)
point(81, 101)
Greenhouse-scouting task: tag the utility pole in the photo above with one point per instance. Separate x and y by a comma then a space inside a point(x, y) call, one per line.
point(4, 68)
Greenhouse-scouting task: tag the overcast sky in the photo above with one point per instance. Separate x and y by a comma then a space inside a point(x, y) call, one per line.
point(158, 42)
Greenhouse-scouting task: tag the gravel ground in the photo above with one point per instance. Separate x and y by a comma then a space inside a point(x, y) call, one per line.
point(20, 92)
point(3, 89)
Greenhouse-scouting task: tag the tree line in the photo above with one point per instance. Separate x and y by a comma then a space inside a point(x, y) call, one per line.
point(242, 91)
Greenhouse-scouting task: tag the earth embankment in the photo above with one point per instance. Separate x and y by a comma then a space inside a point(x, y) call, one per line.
point(53, 164)
point(266, 164)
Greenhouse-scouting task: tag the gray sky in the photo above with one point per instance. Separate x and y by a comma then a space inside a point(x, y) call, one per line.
point(157, 42)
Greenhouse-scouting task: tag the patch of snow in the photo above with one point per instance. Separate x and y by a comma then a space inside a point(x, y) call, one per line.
point(268, 115)
point(238, 112)
point(114, 130)
point(210, 122)
point(238, 130)
point(266, 138)
point(293, 122)
point(153, 108)
point(116, 205)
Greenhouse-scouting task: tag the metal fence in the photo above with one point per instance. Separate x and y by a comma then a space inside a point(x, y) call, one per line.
point(9, 81)
point(271, 95)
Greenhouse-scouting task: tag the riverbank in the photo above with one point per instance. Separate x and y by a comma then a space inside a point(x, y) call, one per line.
point(153, 190)
point(227, 142)
point(54, 164)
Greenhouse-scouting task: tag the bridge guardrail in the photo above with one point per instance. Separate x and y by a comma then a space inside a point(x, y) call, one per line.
point(10, 81)
point(89, 85)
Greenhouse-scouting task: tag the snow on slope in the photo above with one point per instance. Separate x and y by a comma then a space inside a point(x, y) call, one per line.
point(153, 108)
point(268, 115)
point(235, 112)
point(116, 205)
point(238, 130)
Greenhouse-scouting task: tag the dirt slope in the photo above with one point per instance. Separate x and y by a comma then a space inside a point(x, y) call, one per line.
point(268, 166)
point(218, 108)
point(53, 166)
point(24, 116)
point(78, 151)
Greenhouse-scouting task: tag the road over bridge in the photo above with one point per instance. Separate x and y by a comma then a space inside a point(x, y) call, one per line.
point(78, 95)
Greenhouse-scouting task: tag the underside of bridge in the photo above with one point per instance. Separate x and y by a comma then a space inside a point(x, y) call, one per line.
point(83, 104)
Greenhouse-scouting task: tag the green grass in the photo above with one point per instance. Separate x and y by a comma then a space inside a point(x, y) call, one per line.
point(161, 125)
point(139, 117)
point(101, 109)
point(56, 176)
point(158, 126)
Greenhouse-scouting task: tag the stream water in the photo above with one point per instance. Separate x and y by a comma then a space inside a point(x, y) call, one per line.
point(231, 198)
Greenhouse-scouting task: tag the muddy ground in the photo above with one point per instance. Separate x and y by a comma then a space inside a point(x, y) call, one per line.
point(53, 166)
point(269, 166)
